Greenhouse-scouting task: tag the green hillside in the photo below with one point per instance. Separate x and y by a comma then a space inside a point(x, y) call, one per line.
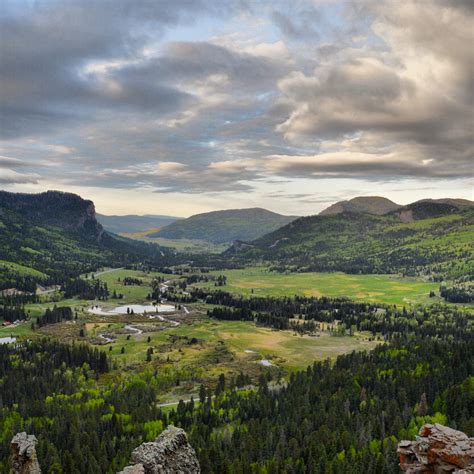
point(225, 226)
point(368, 204)
point(133, 224)
point(427, 238)
point(51, 235)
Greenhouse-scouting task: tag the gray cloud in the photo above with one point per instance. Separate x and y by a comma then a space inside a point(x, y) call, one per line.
point(102, 93)
point(44, 48)
point(298, 24)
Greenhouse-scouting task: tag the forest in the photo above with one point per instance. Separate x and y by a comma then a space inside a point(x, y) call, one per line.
point(340, 417)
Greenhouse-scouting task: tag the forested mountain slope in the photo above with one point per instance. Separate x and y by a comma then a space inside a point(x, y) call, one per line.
point(132, 223)
point(368, 204)
point(57, 234)
point(225, 226)
point(422, 238)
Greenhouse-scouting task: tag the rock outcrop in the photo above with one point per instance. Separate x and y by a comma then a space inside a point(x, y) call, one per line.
point(170, 453)
point(65, 210)
point(24, 460)
point(438, 449)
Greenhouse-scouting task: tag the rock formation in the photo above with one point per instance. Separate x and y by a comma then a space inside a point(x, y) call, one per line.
point(24, 460)
point(438, 449)
point(170, 453)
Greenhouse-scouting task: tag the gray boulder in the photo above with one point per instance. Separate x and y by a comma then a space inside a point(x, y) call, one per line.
point(24, 460)
point(170, 453)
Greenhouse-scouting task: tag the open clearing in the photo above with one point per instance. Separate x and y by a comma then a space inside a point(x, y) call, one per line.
point(229, 344)
point(181, 245)
point(389, 289)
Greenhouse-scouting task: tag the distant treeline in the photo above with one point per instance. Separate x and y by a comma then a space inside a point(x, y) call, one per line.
point(13, 313)
point(261, 319)
point(85, 289)
point(378, 319)
point(458, 294)
point(55, 315)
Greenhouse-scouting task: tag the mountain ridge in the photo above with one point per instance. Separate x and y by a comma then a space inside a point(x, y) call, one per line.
point(131, 223)
point(428, 238)
point(377, 205)
point(58, 234)
point(225, 225)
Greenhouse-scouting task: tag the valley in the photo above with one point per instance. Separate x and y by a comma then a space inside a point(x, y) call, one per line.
point(232, 343)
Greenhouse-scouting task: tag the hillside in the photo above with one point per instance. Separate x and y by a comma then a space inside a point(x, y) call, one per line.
point(421, 238)
point(225, 226)
point(363, 204)
point(57, 234)
point(133, 224)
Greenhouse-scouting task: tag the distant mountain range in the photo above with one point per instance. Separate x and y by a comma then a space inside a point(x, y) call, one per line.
point(380, 206)
point(58, 234)
point(131, 223)
point(434, 237)
point(225, 226)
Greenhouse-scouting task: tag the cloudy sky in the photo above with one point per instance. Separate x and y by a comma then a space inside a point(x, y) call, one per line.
point(184, 106)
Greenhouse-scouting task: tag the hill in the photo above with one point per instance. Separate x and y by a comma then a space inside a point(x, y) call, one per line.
point(363, 204)
point(422, 238)
point(225, 226)
point(58, 235)
point(133, 224)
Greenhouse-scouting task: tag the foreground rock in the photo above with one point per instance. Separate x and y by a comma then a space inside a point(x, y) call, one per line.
point(438, 449)
point(24, 460)
point(170, 453)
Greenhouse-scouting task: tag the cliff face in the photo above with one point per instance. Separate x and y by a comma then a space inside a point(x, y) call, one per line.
point(65, 210)
point(438, 449)
point(170, 453)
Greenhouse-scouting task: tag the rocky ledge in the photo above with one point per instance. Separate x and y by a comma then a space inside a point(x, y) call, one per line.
point(170, 453)
point(438, 449)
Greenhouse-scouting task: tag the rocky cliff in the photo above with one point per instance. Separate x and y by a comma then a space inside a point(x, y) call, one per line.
point(438, 449)
point(24, 460)
point(66, 210)
point(170, 453)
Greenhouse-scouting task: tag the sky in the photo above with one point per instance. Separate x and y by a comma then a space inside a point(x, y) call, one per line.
point(184, 106)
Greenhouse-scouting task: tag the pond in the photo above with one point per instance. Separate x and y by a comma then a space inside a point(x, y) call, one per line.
point(136, 308)
point(7, 340)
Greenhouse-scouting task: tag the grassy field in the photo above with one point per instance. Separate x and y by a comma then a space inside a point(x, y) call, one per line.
point(221, 346)
point(181, 245)
point(131, 293)
point(390, 289)
point(19, 269)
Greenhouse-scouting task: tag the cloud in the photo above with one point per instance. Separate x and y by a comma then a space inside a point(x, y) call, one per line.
point(195, 96)
point(45, 47)
point(9, 176)
point(8, 162)
point(298, 24)
point(356, 164)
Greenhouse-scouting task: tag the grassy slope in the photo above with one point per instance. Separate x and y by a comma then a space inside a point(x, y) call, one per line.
point(180, 245)
point(225, 226)
point(21, 270)
point(374, 244)
point(390, 289)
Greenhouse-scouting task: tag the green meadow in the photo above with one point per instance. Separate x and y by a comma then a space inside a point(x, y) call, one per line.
point(222, 345)
point(389, 289)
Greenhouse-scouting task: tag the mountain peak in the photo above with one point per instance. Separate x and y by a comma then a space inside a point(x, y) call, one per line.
point(363, 204)
point(225, 226)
